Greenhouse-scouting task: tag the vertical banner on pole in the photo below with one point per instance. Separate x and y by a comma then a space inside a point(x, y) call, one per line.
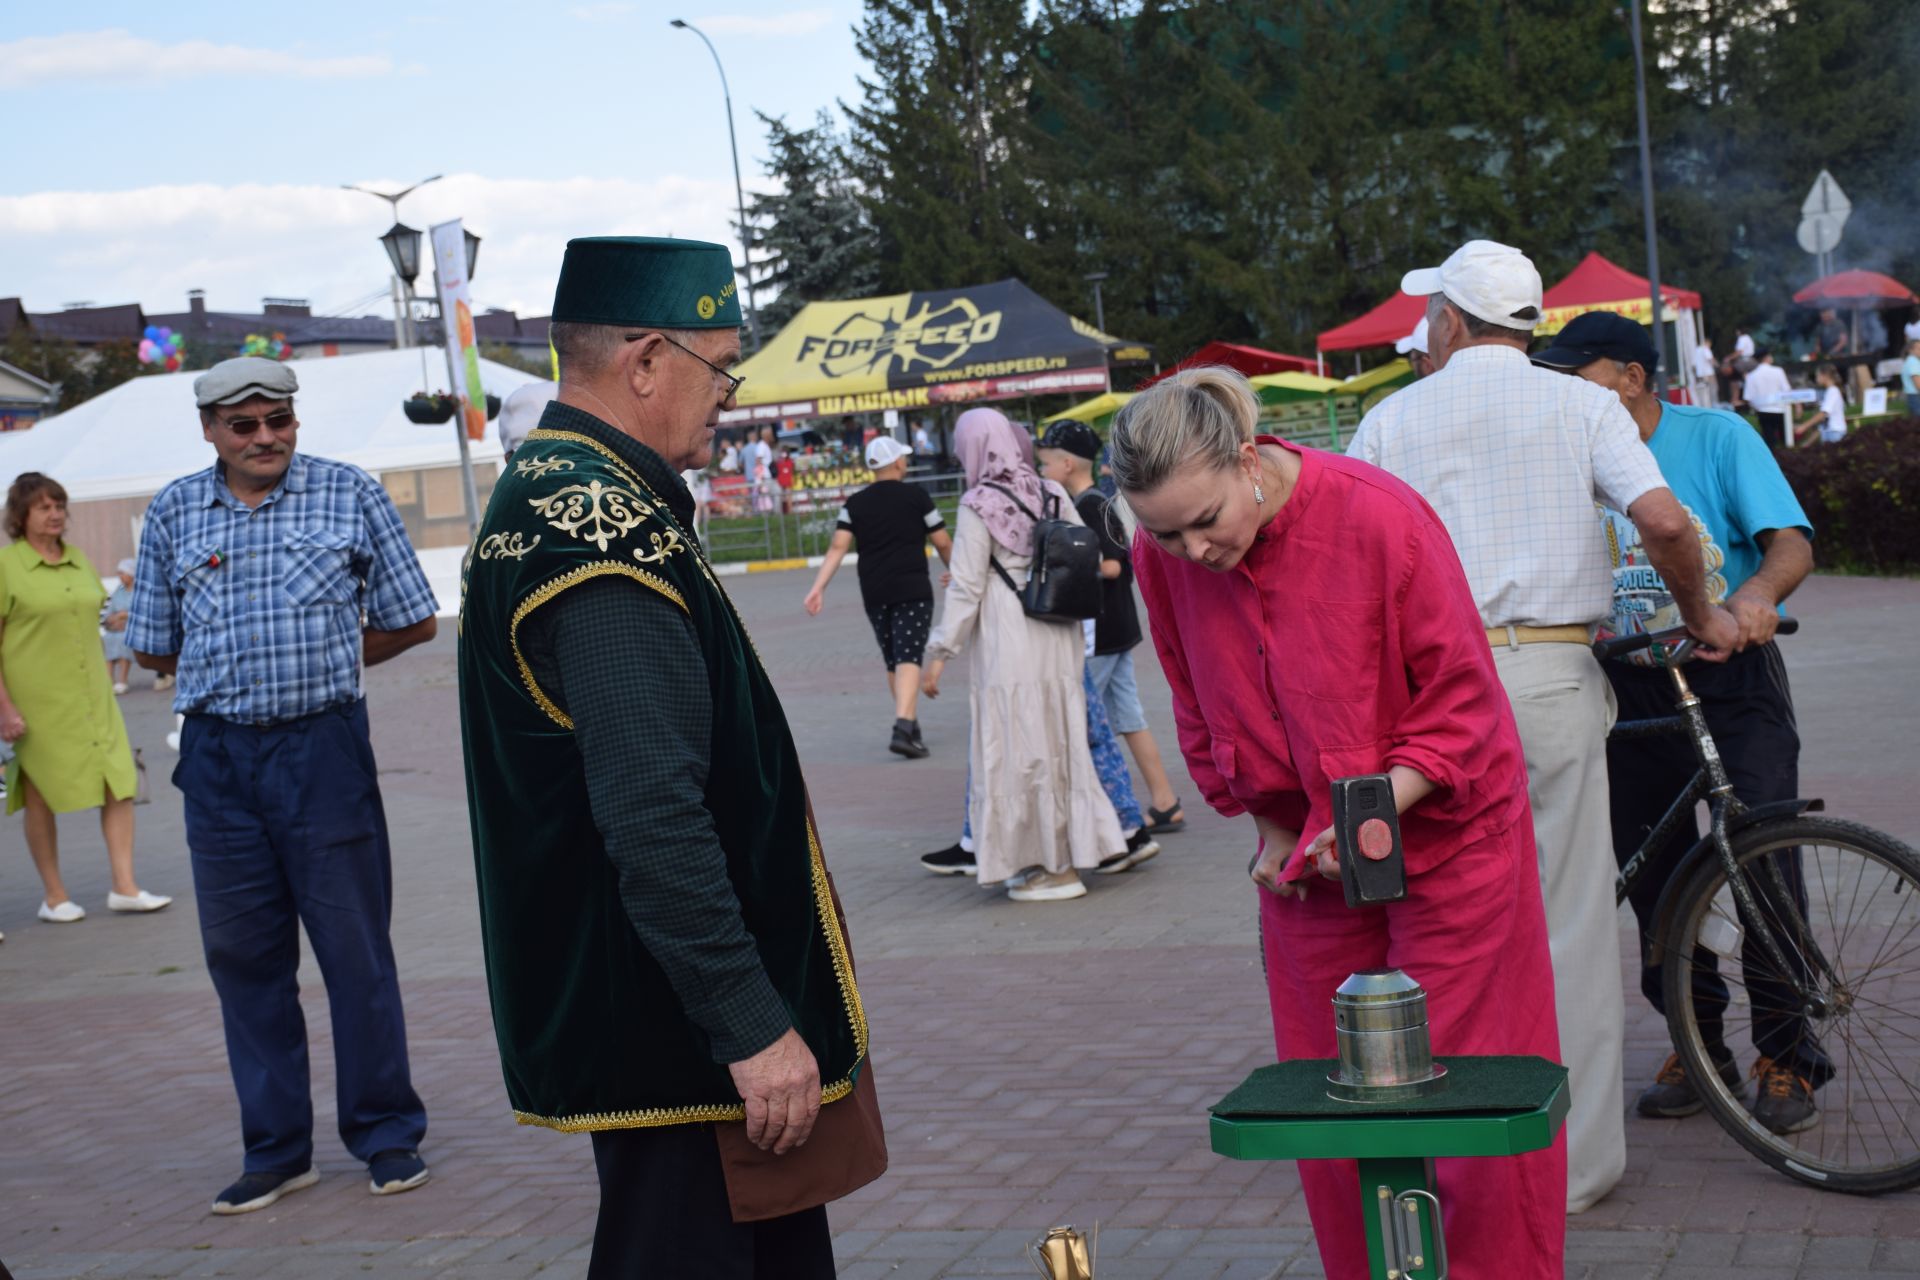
point(456, 314)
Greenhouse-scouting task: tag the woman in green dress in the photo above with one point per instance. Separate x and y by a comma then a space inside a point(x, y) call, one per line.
point(56, 699)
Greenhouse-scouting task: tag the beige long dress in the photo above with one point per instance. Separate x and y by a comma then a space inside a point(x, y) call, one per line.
point(1036, 798)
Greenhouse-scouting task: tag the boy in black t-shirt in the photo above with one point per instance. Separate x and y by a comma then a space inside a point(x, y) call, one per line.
point(893, 522)
point(1066, 456)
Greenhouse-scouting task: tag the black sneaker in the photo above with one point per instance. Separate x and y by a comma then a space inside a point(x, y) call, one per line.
point(258, 1190)
point(391, 1172)
point(906, 741)
point(1672, 1095)
point(1785, 1103)
point(950, 861)
point(1140, 846)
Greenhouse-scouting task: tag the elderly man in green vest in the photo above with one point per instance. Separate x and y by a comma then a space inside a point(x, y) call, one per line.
point(668, 965)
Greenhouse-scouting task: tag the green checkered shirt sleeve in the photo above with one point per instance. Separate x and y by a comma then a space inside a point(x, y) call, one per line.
point(643, 730)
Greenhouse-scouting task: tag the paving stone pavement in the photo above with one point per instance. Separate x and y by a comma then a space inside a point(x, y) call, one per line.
point(1037, 1064)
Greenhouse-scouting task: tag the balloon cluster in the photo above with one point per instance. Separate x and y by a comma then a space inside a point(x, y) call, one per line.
point(162, 346)
point(272, 348)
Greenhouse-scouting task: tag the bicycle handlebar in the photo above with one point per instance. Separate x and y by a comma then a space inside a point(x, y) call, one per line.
point(1620, 646)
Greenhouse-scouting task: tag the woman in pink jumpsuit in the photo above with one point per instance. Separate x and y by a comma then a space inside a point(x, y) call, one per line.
point(1314, 623)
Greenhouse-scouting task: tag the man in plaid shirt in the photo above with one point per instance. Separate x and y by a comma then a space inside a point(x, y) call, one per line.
point(266, 582)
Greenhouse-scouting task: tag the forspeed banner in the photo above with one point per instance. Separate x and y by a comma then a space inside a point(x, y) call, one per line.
point(910, 350)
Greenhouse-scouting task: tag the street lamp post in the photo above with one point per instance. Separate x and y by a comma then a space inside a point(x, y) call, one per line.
point(1099, 312)
point(1646, 199)
point(739, 192)
point(403, 300)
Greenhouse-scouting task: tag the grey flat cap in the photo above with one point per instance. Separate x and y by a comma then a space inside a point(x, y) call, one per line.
point(232, 381)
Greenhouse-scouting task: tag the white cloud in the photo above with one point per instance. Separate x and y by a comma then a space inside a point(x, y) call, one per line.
point(119, 55)
point(797, 22)
point(241, 243)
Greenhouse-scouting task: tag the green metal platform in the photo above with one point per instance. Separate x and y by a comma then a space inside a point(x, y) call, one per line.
point(1492, 1106)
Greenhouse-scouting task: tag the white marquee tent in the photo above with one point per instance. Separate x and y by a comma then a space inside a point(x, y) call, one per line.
point(130, 441)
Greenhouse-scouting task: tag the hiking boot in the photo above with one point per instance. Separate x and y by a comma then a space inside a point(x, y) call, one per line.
point(950, 861)
point(1785, 1102)
point(1672, 1096)
point(906, 741)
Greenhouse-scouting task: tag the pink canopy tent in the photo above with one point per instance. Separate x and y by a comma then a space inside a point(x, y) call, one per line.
point(1252, 361)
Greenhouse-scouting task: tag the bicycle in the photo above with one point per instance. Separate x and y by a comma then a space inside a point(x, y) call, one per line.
point(1821, 920)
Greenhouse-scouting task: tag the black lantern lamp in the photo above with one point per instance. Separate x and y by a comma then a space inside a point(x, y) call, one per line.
point(402, 244)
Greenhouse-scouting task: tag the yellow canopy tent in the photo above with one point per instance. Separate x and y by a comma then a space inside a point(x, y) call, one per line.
point(912, 350)
point(1097, 412)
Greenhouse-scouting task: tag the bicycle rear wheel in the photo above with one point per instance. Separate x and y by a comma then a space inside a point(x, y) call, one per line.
point(1855, 1032)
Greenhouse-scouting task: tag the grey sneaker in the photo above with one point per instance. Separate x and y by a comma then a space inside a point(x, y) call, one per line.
point(1785, 1103)
point(1672, 1095)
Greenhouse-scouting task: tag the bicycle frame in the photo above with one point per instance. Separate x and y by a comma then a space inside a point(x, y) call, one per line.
point(1727, 813)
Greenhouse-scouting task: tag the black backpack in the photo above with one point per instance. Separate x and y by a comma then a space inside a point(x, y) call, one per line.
point(1064, 583)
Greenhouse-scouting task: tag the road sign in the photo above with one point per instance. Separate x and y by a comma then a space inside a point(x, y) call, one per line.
point(1826, 197)
point(1819, 233)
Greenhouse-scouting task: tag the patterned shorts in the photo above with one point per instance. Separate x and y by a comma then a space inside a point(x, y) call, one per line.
point(902, 630)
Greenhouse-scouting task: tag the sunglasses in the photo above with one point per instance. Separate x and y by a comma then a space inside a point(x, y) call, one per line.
point(277, 421)
point(732, 383)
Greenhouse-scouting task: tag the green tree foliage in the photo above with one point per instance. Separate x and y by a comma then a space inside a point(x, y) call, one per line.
point(1260, 170)
point(79, 374)
point(813, 235)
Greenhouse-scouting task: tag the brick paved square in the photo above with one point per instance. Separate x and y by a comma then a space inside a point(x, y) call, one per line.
point(1036, 1065)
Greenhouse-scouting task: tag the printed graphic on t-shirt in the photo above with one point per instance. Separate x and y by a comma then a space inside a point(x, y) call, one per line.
point(1641, 600)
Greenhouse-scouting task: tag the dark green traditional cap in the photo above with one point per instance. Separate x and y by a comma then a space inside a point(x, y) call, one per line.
point(645, 282)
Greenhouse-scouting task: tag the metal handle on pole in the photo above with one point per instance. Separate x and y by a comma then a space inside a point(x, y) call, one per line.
point(1400, 1233)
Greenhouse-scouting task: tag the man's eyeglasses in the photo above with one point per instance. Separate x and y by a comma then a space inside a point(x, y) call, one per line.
point(277, 421)
point(733, 384)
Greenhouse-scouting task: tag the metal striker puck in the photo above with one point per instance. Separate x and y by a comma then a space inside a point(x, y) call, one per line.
point(1343, 1090)
point(1376, 839)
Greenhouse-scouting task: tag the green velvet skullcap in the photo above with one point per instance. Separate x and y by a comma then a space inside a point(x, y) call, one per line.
point(644, 282)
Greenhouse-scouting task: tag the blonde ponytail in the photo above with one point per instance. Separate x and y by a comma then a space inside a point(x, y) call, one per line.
point(1200, 415)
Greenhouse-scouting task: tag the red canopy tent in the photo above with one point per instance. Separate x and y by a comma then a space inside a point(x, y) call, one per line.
point(1251, 361)
point(1867, 289)
point(1383, 326)
point(1599, 285)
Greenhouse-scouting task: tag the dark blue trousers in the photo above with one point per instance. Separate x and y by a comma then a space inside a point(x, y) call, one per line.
point(286, 828)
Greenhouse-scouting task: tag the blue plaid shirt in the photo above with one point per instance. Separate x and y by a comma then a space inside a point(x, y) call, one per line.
point(265, 606)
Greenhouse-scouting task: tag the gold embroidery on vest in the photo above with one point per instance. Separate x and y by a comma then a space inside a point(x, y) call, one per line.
point(593, 512)
point(505, 546)
point(539, 468)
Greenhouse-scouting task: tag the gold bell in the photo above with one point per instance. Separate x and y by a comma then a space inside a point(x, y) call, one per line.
point(1065, 1254)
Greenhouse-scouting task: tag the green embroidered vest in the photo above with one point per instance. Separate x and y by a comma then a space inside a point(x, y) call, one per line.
point(591, 1034)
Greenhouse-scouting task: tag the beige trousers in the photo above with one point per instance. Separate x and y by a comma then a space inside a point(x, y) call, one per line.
point(1564, 707)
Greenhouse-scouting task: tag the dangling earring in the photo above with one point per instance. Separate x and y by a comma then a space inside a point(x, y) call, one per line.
point(1259, 498)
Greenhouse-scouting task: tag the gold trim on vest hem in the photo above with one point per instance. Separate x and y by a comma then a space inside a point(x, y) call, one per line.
point(553, 587)
point(660, 1116)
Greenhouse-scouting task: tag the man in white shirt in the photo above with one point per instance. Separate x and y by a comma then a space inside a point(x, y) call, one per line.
point(1743, 344)
point(1766, 383)
point(1704, 368)
point(1513, 459)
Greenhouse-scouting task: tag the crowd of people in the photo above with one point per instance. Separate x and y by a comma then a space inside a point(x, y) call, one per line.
point(669, 965)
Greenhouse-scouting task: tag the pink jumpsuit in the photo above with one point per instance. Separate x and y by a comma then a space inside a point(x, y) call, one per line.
point(1347, 642)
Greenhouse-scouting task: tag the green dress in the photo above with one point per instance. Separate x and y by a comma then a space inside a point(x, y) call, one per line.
point(75, 748)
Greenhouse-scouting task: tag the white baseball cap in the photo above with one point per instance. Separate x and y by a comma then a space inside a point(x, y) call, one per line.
point(884, 451)
point(1415, 341)
point(520, 412)
point(1495, 282)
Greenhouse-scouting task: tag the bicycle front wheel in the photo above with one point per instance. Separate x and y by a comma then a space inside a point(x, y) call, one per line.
point(1839, 1009)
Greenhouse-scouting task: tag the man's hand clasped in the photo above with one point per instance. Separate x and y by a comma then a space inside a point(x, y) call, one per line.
point(781, 1088)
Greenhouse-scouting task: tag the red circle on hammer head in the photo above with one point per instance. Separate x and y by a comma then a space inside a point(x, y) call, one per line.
point(1376, 839)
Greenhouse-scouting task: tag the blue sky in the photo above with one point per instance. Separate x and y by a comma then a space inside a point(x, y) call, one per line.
point(160, 148)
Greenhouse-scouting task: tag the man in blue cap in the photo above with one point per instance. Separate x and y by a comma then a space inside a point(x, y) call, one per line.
point(666, 958)
point(1757, 545)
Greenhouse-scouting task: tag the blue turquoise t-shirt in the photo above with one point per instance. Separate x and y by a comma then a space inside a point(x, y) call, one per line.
point(1724, 475)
